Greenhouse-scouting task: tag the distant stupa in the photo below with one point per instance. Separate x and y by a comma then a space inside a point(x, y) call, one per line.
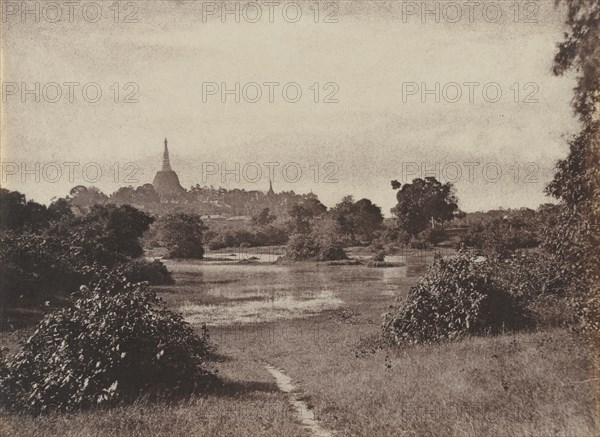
point(166, 183)
point(270, 192)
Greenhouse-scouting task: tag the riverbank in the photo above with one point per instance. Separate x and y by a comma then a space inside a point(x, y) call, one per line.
point(535, 384)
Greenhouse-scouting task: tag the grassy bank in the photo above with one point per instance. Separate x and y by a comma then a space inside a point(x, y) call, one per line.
point(531, 384)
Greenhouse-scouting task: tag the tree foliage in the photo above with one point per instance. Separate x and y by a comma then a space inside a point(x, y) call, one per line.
point(576, 182)
point(106, 234)
point(19, 214)
point(302, 213)
point(43, 262)
point(357, 219)
point(145, 194)
point(502, 235)
point(423, 200)
point(83, 197)
point(264, 217)
point(182, 234)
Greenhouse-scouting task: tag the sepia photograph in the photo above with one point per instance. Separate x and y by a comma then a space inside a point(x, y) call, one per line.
point(309, 218)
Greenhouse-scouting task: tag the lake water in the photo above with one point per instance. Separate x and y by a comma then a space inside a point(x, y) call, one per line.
point(226, 293)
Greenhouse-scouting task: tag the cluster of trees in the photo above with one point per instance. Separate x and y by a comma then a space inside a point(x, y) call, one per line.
point(316, 233)
point(503, 231)
point(19, 214)
point(51, 251)
point(264, 229)
point(353, 221)
point(349, 222)
point(359, 220)
point(183, 233)
point(427, 212)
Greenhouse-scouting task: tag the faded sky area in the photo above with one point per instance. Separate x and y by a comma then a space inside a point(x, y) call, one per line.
point(374, 133)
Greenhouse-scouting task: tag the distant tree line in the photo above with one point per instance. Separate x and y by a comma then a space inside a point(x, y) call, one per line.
point(196, 200)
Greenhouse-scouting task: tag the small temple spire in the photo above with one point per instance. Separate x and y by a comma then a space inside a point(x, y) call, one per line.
point(270, 192)
point(166, 164)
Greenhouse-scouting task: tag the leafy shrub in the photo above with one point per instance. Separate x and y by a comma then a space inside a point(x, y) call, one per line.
point(457, 297)
point(268, 235)
point(402, 237)
point(106, 347)
point(182, 234)
point(418, 242)
point(503, 235)
point(377, 245)
point(536, 279)
point(140, 270)
point(41, 265)
point(302, 247)
point(435, 236)
point(528, 275)
point(379, 256)
point(33, 268)
point(309, 247)
point(331, 251)
point(106, 234)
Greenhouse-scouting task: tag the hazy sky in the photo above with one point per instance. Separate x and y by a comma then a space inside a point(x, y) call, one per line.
point(373, 133)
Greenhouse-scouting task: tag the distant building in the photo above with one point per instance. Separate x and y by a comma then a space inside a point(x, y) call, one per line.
point(166, 183)
point(270, 192)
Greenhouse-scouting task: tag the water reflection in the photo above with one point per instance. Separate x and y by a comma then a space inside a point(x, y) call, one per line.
point(226, 294)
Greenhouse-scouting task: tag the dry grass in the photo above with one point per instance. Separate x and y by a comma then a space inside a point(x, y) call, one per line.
point(536, 384)
point(249, 403)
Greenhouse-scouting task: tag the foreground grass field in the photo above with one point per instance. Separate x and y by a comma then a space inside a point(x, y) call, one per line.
point(532, 384)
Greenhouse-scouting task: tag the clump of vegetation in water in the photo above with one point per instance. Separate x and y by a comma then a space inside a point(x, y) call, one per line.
point(302, 247)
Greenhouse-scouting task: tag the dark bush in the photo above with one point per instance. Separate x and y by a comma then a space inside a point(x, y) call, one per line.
point(309, 247)
point(379, 256)
point(331, 251)
point(418, 242)
point(182, 234)
point(140, 270)
point(530, 274)
point(502, 236)
point(402, 237)
point(106, 234)
point(268, 235)
point(435, 236)
point(457, 297)
point(106, 347)
point(33, 268)
point(536, 279)
point(302, 247)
